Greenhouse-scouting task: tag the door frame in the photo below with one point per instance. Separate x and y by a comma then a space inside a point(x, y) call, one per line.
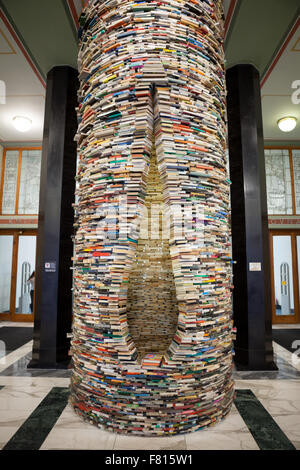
point(12, 315)
point(288, 319)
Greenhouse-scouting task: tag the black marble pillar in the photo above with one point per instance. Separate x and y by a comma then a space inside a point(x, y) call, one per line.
point(53, 296)
point(250, 238)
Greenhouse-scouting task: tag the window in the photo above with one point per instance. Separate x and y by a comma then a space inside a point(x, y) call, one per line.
point(9, 190)
point(283, 181)
point(296, 165)
point(20, 181)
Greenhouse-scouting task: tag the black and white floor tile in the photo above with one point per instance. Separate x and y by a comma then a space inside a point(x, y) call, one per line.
point(35, 413)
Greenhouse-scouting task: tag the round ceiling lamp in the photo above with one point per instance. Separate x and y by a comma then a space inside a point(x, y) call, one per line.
point(287, 124)
point(22, 124)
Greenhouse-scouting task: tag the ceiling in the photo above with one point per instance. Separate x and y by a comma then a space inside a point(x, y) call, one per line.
point(264, 33)
point(36, 35)
point(25, 94)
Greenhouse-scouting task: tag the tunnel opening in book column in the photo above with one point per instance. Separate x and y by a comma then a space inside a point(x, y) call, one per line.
point(152, 306)
point(152, 314)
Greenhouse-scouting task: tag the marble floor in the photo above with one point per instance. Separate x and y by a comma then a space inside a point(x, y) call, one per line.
point(35, 413)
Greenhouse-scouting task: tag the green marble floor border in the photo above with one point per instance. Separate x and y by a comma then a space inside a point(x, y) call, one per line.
point(2, 386)
point(33, 432)
point(260, 423)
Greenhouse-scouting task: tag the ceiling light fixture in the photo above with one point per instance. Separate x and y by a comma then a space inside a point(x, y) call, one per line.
point(287, 124)
point(22, 124)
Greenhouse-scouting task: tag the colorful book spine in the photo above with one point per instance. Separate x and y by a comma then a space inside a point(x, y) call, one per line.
point(152, 316)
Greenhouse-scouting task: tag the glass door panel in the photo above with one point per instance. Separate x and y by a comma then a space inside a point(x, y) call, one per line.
point(283, 276)
point(25, 269)
point(6, 253)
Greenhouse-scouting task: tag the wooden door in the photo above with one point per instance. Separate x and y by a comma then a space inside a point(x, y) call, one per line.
point(285, 276)
point(16, 294)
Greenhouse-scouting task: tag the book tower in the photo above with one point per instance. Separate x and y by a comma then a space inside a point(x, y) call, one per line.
point(152, 314)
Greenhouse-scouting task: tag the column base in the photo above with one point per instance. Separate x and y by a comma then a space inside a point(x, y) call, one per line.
point(35, 364)
point(265, 366)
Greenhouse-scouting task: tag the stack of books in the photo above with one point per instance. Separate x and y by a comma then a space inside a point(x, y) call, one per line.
point(152, 324)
